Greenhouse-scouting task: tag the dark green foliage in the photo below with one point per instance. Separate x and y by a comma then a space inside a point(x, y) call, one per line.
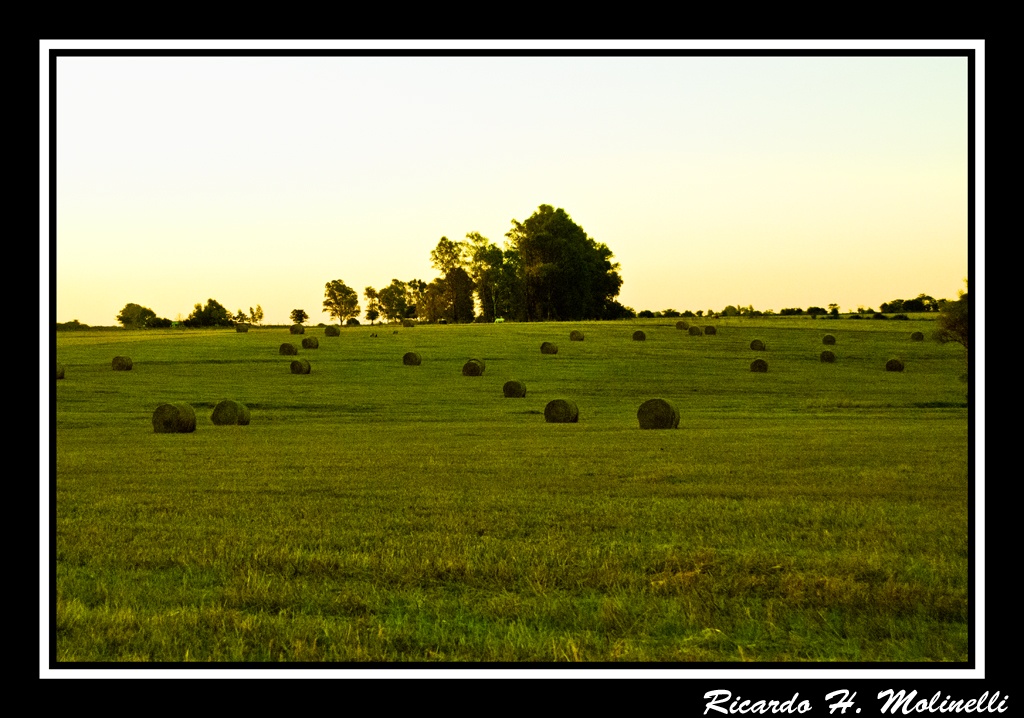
point(120, 363)
point(657, 414)
point(288, 349)
point(639, 336)
point(474, 367)
point(828, 339)
point(561, 411)
point(351, 322)
point(894, 365)
point(815, 311)
point(340, 302)
point(955, 322)
point(827, 357)
point(902, 317)
point(178, 418)
point(60, 370)
point(575, 335)
point(917, 337)
point(548, 348)
point(790, 311)
point(310, 343)
point(300, 366)
point(135, 316)
point(212, 315)
point(759, 365)
point(299, 316)
point(411, 359)
point(228, 412)
point(73, 326)
point(514, 389)
point(757, 345)
point(332, 331)
point(645, 314)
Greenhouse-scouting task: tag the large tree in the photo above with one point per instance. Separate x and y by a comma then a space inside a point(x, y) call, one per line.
point(135, 316)
point(212, 315)
point(954, 325)
point(394, 300)
point(340, 301)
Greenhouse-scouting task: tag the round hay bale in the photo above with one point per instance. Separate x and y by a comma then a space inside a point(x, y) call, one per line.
point(474, 367)
point(759, 365)
point(241, 328)
point(121, 364)
point(639, 336)
point(682, 325)
point(828, 357)
point(917, 337)
point(548, 348)
point(289, 349)
point(894, 365)
point(514, 389)
point(60, 370)
point(407, 323)
point(575, 335)
point(174, 419)
point(310, 343)
point(710, 331)
point(657, 414)
point(411, 359)
point(300, 366)
point(757, 345)
point(694, 331)
point(560, 411)
point(230, 412)
point(332, 331)
point(828, 339)
point(297, 329)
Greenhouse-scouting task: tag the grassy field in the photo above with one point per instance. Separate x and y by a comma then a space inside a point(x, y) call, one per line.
point(377, 512)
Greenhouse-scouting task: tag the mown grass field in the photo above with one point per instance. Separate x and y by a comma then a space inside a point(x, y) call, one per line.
point(376, 512)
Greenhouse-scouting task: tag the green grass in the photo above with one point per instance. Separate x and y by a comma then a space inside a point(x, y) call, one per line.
point(377, 512)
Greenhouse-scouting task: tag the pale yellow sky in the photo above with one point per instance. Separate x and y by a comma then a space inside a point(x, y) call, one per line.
point(772, 181)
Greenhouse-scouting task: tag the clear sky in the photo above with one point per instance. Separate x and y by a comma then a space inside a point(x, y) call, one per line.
point(772, 181)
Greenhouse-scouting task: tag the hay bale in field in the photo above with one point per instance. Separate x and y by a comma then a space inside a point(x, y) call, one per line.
point(241, 328)
point(60, 370)
point(474, 367)
point(757, 345)
point(828, 357)
point(894, 365)
point(121, 364)
point(297, 329)
point(682, 325)
point(174, 419)
point(548, 348)
point(694, 331)
point(710, 331)
point(759, 365)
point(514, 389)
point(408, 323)
point(575, 335)
point(289, 349)
point(560, 411)
point(917, 337)
point(411, 359)
point(310, 343)
point(828, 339)
point(657, 414)
point(639, 336)
point(332, 331)
point(230, 412)
point(300, 366)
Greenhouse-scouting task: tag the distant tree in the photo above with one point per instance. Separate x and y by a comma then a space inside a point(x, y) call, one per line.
point(340, 301)
point(954, 325)
point(372, 303)
point(645, 314)
point(394, 300)
point(241, 317)
point(790, 311)
point(448, 255)
point(135, 316)
point(212, 315)
point(815, 311)
point(415, 289)
point(671, 313)
point(299, 316)
point(256, 314)
point(833, 310)
point(731, 311)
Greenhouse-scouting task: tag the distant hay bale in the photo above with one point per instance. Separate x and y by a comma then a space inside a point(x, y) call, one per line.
point(174, 419)
point(639, 336)
point(300, 366)
point(241, 328)
point(332, 331)
point(828, 357)
point(694, 331)
point(828, 339)
point(682, 325)
point(894, 365)
point(575, 335)
point(230, 412)
point(60, 370)
point(121, 364)
point(657, 414)
point(310, 343)
point(759, 365)
point(297, 329)
point(548, 348)
point(408, 323)
point(474, 367)
point(710, 331)
point(411, 359)
point(514, 389)
point(289, 349)
point(560, 411)
point(917, 337)
point(757, 345)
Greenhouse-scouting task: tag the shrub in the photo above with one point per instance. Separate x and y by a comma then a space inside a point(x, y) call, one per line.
point(828, 339)
point(639, 336)
point(297, 329)
point(548, 348)
point(560, 411)
point(694, 331)
point(310, 343)
point(575, 335)
point(300, 366)
point(682, 325)
point(827, 357)
point(757, 345)
point(289, 349)
point(174, 419)
point(60, 370)
point(230, 412)
point(759, 365)
point(917, 337)
point(352, 322)
point(241, 328)
point(710, 331)
point(514, 389)
point(411, 359)
point(878, 315)
point(121, 364)
point(332, 331)
point(657, 414)
point(408, 323)
point(894, 365)
point(903, 317)
point(474, 367)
